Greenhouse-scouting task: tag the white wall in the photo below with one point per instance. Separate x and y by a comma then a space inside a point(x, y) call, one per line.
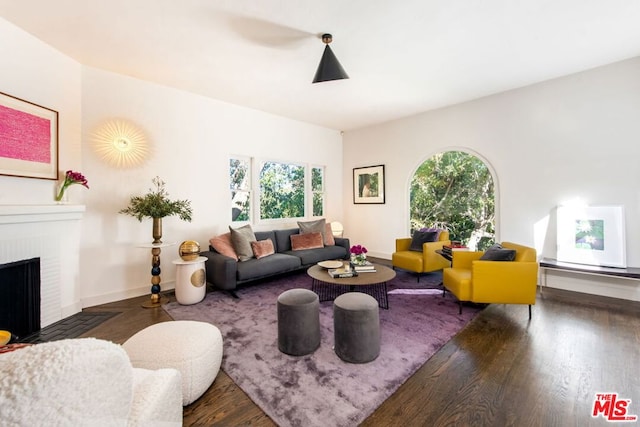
point(571, 138)
point(37, 73)
point(191, 138)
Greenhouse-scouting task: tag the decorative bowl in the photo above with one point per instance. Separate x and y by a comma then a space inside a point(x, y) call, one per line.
point(5, 337)
point(330, 264)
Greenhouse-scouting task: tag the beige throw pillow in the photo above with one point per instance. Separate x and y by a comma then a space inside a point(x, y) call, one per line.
point(317, 226)
point(241, 239)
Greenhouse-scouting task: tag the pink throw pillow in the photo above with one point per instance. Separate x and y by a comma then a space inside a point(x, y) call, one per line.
point(262, 248)
point(328, 236)
point(222, 244)
point(306, 241)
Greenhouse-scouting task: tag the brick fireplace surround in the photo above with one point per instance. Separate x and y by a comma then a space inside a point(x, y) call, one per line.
point(52, 233)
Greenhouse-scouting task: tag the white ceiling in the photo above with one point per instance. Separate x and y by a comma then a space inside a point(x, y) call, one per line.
point(404, 57)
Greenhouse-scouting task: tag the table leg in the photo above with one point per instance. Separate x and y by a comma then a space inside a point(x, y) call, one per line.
point(155, 300)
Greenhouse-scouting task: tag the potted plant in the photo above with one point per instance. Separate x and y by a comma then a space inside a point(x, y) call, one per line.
point(156, 205)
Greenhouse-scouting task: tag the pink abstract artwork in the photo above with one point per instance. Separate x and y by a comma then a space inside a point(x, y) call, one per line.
point(24, 136)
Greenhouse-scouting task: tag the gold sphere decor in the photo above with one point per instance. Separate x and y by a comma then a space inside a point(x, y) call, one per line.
point(189, 250)
point(120, 144)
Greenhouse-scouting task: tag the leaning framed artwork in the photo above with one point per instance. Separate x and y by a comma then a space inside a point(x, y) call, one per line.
point(592, 235)
point(28, 139)
point(368, 184)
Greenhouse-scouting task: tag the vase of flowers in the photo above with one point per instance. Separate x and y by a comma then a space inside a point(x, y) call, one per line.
point(358, 255)
point(156, 205)
point(70, 178)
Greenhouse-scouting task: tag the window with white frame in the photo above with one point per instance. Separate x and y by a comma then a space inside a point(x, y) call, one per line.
point(285, 190)
point(317, 190)
point(240, 187)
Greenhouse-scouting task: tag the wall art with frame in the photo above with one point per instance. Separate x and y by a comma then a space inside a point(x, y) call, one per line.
point(592, 235)
point(28, 139)
point(368, 185)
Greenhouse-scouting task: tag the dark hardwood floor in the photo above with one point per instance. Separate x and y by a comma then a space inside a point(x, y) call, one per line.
point(501, 370)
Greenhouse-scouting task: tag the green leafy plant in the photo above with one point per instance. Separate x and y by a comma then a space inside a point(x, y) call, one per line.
point(156, 204)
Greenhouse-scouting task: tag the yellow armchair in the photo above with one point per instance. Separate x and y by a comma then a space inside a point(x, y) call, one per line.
point(499, 282)
point(420, 262)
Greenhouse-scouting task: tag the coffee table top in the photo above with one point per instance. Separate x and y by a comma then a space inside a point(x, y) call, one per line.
point(382, 274)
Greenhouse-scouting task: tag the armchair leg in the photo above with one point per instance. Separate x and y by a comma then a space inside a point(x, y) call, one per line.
point(529, 311)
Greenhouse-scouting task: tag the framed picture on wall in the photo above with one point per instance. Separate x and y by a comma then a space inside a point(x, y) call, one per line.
point(592, 235)
point(28, 139)
point(368, 184)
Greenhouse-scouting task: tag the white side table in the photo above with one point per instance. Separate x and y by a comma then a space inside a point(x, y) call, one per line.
point(191, 280)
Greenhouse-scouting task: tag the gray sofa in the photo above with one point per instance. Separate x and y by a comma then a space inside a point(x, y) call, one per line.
point(226, 273)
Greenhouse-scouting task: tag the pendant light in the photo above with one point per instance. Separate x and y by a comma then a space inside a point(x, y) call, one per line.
point(329, 67)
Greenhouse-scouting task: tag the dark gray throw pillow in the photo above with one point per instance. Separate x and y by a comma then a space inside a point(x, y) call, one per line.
point(420, 237)
point(498, 253)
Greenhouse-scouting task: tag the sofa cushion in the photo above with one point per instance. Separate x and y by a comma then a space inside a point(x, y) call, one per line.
point(420, 237)
point(223, 245)
point(274, 264)
point(262, 248)
point(498, 253)
point(241, 239)
point(283, 239)
point(313, 256)
point(306, 241)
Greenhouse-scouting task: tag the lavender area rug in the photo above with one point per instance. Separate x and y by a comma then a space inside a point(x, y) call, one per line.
point(320, 389)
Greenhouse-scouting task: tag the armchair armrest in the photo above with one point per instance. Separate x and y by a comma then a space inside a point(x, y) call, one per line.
point(463, 259)
point(431, 258)
point(403, 244)
point(504, 282)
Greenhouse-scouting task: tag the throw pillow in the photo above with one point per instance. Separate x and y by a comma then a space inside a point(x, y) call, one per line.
point(241, 239)
point(317, 226)
point(328, 236)
point(437, 230)
point(498, 253)
point(262, 248)
point(420, 237)
point(306, 241)
point(223, 245)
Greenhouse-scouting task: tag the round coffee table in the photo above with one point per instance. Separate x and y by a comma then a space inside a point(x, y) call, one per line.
point(329, 288)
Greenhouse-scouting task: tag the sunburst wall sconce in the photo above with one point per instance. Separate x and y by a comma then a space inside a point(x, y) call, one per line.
point(121, 144)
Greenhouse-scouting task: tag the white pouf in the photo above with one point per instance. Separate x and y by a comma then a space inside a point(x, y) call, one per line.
point(193, 348)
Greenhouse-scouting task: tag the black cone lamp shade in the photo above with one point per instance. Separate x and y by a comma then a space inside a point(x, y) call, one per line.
point(329, 67)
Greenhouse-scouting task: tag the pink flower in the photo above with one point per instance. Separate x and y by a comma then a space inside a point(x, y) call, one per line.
point(358, 250)
point(70, 178)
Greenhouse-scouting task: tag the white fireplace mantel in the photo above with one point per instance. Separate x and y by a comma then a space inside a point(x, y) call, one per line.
point(51, 233)
point(15, 214)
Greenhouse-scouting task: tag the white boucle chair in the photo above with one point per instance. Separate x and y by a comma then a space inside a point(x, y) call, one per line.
point(193, 348)
point(85, 382)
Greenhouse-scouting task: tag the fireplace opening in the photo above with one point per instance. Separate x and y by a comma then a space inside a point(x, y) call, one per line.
point(20, 297)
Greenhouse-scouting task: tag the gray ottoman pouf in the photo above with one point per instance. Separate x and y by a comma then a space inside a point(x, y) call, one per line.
point(356, 325)
point(298, 322)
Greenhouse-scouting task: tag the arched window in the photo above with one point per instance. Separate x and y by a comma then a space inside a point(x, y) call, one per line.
point(455, 190)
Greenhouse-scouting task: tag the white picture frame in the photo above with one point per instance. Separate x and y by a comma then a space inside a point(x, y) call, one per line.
point(591, 235)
